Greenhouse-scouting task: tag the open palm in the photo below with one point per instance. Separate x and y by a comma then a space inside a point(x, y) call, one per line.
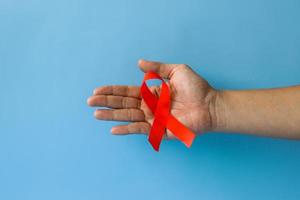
point(191, 98)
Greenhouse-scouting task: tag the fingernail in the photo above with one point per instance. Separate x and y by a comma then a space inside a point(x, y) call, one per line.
point(112, 130)
point(88, 101)
point(140, 61)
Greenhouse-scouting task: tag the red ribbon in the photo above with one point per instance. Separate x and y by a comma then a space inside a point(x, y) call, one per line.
point(163, 119)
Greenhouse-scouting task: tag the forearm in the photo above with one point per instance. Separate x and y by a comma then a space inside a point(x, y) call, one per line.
point(267, 112)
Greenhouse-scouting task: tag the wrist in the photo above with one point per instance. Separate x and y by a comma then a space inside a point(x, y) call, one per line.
point(217, 110)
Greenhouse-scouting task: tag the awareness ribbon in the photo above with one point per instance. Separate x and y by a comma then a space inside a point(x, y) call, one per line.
point(163, 119)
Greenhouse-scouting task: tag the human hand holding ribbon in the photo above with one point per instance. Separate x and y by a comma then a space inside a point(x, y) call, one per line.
point(160, 107)
point(176, 109)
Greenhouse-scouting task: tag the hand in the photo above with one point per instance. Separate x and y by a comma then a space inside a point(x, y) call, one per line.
point(191, 96)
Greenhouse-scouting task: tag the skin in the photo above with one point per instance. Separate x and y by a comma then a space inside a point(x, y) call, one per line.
point(267, 112)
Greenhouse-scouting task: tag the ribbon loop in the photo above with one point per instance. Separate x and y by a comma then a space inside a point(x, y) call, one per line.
point(160, 107)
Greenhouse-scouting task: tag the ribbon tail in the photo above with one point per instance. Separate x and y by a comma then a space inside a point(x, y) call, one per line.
point(182, 133)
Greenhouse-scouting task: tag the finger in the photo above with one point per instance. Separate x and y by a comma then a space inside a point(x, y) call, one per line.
point(114, 101)
point(131, 114)
point(164, 70)
point(132, 128)
point(138, 128)
point(118, 90)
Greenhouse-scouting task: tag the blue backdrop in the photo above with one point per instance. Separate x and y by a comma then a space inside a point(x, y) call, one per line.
point(54, 53)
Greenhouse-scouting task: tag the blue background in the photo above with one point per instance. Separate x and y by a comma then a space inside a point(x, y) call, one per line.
point(54, 53)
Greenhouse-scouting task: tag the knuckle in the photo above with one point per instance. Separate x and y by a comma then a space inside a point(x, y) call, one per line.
point(124, 102)
point(130, 128)
point(127, 89)
point(184, 66)
point(105, 100)
point(113, 115)
point(112, 89)
point(144, 129)
point(130, 114)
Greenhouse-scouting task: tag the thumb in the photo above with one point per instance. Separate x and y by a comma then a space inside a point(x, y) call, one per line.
point(164, 70)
